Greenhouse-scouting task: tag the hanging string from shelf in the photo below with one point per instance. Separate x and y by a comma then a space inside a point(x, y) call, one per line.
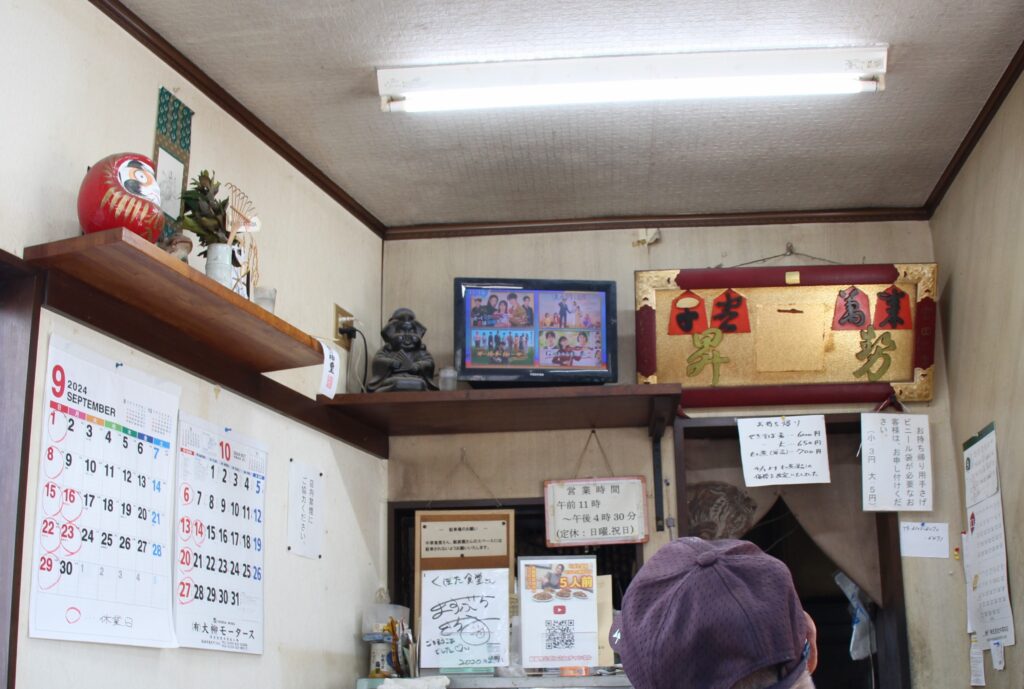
point(463, 462)
point(790, 251)
point(604, 455)
point(890, 402)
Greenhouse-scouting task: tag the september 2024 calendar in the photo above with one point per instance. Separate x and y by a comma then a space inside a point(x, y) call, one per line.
point(101, 569)
point(124, 553)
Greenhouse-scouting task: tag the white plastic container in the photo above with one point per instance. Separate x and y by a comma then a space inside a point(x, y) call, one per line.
point(377, 616)
point(218, 263)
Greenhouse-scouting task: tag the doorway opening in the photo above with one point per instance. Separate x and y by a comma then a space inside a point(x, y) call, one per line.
point(711, 498)
point(779, 534)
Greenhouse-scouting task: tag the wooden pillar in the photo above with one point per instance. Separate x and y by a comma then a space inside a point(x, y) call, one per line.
point(891, 619)
point(21, 292)
point(682, 511)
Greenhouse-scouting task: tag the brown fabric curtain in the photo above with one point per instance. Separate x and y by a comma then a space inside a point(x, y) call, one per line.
point(830, 513)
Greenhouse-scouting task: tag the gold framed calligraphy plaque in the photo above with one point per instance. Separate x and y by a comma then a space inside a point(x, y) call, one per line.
point(788, 335)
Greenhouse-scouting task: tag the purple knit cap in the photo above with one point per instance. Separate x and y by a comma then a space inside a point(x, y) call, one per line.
point(706, 614)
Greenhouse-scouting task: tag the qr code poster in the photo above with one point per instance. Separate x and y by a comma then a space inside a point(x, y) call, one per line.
point(558, 606)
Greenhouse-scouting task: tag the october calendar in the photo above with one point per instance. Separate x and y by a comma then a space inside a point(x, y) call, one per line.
point(103, 529)
point(218, 563)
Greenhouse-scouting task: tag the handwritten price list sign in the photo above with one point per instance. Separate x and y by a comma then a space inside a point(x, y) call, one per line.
point(103, 527)
point(218, 551)
point(784, 450)
point(464, 618)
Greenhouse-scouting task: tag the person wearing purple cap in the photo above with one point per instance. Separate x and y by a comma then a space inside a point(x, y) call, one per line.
point(714, 615)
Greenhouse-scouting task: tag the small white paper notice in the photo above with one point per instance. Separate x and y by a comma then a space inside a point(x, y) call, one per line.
point(305, 510)
point(981, 468)
point(896, 462)
point(924, 539)
point(470, 538)
point(977, 663)
point(780, 450)
point(332, 369)
point(998, 656)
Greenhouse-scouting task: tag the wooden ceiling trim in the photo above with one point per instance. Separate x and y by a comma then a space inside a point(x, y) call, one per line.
point(974, 134)
point(661, 221)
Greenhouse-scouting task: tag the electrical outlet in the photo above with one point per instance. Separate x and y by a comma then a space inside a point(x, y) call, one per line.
point(343, 319)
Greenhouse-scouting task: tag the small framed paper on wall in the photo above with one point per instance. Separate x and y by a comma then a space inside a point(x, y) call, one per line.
point(596, 511)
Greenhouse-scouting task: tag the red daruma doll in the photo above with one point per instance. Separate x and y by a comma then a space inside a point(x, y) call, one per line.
point(121, 191)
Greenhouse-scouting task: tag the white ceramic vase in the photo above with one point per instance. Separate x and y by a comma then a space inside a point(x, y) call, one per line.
point(218, 263)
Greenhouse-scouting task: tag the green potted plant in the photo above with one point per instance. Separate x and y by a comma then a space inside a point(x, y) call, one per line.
point(206, 216)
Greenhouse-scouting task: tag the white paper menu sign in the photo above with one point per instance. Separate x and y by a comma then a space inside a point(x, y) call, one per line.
point(306, 502)
point(464, 618)
point(896, 462)
point(101, 569)
point(780, 450)
point(988, 589)
point(981, 467)
point(218, 553)
point(558, 611)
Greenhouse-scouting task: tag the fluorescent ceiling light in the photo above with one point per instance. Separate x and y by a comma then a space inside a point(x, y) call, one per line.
point(637, 78)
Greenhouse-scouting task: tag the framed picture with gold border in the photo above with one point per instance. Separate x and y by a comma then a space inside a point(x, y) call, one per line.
point(788, 334)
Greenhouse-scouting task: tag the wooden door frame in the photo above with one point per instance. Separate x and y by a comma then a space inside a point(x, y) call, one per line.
point(21, 296)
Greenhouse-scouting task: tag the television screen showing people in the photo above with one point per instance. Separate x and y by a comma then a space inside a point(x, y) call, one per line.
point(529, 328)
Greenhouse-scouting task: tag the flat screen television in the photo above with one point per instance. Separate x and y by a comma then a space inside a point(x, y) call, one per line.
point(511, 332)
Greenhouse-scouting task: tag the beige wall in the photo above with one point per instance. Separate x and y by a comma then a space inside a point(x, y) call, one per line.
point(311, 608)
point(83, 89)
point(78, 88)
point(419, 273)
point(978, 238)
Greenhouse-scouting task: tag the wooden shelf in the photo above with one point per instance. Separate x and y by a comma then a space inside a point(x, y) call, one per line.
point(513, 409)
point(144, 278)
point(120, 284)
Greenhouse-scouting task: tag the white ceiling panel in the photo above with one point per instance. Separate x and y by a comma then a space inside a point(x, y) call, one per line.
point(307, 69)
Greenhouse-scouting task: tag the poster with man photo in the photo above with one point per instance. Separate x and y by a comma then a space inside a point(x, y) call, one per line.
point(502, 347)
point(500, 308)
point(570, 348)
point(570, 309)
point(558, 611)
